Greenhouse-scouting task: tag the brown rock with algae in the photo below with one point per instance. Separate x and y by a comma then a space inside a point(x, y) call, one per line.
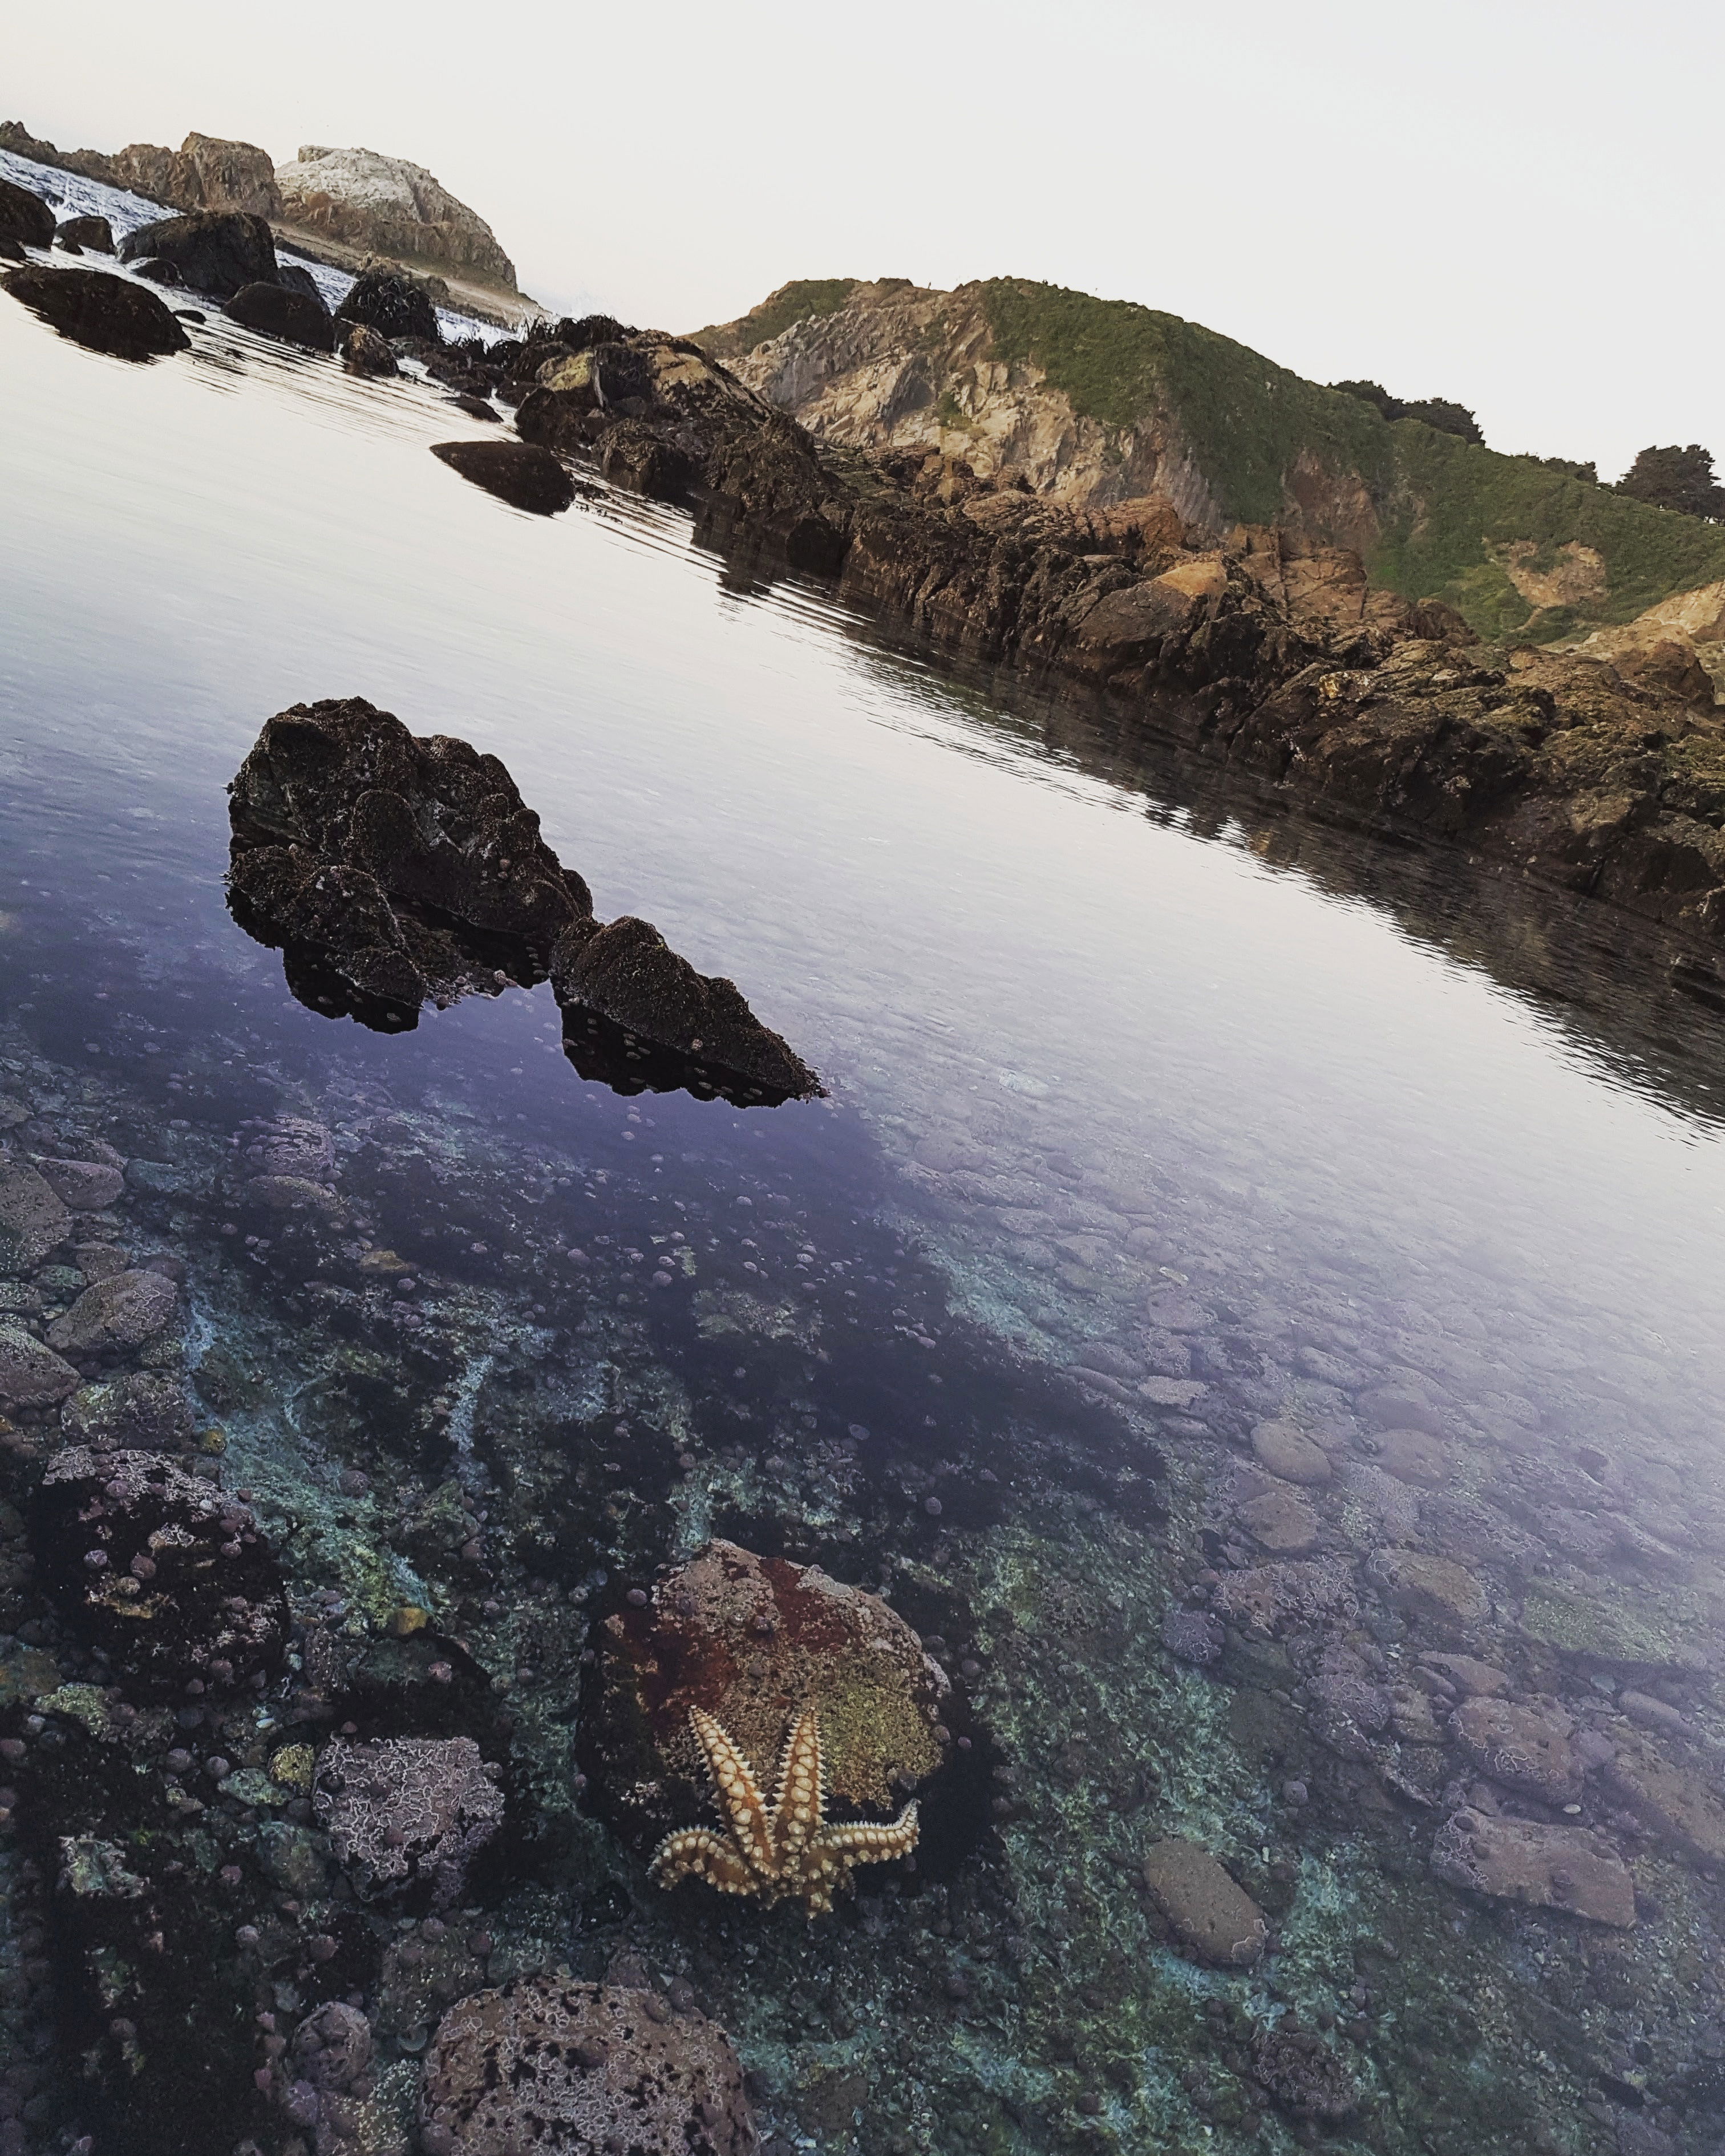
point(752, 1641)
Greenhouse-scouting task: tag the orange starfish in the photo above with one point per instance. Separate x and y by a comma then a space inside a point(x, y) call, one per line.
point(788, 1850)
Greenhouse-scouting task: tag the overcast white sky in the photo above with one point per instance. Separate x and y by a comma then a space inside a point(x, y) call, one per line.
point(1516, 205)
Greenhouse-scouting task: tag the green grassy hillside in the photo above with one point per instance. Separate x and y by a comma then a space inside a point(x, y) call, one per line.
point(1448, 511)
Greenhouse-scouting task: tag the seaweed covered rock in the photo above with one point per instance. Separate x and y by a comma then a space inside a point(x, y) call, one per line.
point(391, 869)
point(1305, 2076)
point(98, 310)
point(365, 351)
point(139, 1412)
point(558, 2067)
point(391, 305)
point(219, 252)
point(168, 1576)
point(123, 1311)
point(751, 1641)
point(412, 1812)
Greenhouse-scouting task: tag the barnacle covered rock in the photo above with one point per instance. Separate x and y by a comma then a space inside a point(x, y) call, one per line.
point(170, 1577)
point(753, 1642)
point(410, 1812)
point(559, 2068)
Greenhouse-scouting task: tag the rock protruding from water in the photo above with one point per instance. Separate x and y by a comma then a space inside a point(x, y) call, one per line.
point(546, 2063)
point(219, 252)
point(362, 198)
point(93, 235)
point(99, 311)
point(24, 216)
point(392, 305)
point(277, 311)
point(393, 870)
point(520, 473)
point(754, 1641)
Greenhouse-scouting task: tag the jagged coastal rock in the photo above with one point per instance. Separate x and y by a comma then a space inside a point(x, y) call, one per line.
point(389, 206)
point(405, 868)
point(207, 172)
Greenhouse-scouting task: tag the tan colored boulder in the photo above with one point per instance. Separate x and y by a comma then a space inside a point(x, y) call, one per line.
point(1471, 1677)
point(1432, 1590)
point(1290, 1454)
point(1545, 1867)
point(1672, 1801)
point(1281, 1522)
point(1413, 1455)
point(1213, 1916)
point(364, 199)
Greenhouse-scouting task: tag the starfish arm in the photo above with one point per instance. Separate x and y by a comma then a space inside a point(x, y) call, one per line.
point(697, 1853)
point(863, 1841)
point(800, 1797)
point(747, 1817)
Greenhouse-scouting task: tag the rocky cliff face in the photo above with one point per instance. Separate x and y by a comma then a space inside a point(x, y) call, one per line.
point(1089, 402)
point(386, 206)
point(205, 172)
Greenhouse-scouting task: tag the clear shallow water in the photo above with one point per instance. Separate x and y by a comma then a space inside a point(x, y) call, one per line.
point(1106, 1082)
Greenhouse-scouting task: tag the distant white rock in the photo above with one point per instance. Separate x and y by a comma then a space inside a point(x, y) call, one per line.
point(388, 206)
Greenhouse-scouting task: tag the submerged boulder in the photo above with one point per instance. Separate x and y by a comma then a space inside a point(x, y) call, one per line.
point(409, 1813)
point(754, 1641)
point(1214, 1918)
point(98, 310)
point(215, 251)
point(546, 2064)
point(171, 1578)
point(279, 311)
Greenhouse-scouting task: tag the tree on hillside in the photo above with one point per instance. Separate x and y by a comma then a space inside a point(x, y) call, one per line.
point(1677, 479)
point(1434, 411)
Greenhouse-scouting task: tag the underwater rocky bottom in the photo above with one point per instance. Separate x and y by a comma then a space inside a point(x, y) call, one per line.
point(1297, 1760)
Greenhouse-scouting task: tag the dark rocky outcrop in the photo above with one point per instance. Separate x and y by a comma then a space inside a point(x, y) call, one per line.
point(24, 216)
point(97, 308)
point(520, 473)
point(392, 869)
point(276, 311)
point(391, 305)
point(92, 234)
point(215, 251)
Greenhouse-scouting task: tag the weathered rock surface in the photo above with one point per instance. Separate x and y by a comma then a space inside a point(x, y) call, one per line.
point(277, 310)
point(547, 2064)
point(1213, 1916)
point(123, 1311)
point(83, 1186)
point(1525, 1746)
point(392, 206)
point(24, 216)
point(1265, 1598)
point(219, 252)
point(136, 1412)
point(1289, 1454)
point(408, 1813)
point(98, 310)
point(1548, 1867)
point(407, 867)
point(34, 1219)
point(169, 1577)
point(31, 1375)
point(1672, 1801)
point(753, 1641)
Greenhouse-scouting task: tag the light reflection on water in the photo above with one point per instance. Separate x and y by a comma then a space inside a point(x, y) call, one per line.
point(913, 892)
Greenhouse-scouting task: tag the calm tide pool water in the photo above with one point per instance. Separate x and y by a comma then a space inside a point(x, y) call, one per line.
point(1236, 1271)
